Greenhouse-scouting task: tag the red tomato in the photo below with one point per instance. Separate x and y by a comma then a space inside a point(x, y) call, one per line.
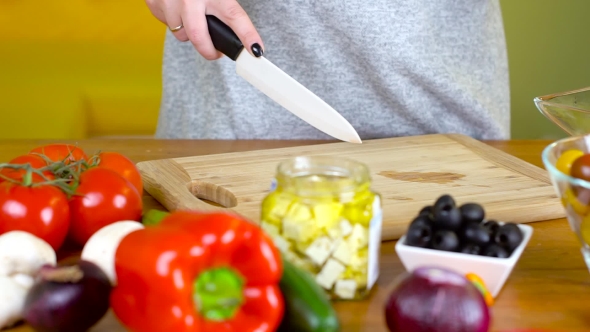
point(581, 167)
point(35, 162)
point(41, 210)
point(102, 198)
point(61, 152)
point(123, 166)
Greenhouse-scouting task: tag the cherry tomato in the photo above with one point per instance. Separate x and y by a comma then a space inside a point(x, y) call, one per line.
point(576, 198)
point(123, 166)
point(102, 198)
point(61, 152)
point(565, 161)
point(581, 168)
point(40, 210)
point(35, 162)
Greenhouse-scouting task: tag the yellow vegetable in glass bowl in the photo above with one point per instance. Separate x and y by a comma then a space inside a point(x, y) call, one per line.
point(325, 218)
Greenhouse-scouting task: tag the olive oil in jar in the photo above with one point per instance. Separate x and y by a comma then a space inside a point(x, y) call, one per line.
point(324, 218)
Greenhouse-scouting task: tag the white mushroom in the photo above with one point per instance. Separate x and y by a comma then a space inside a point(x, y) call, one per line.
point(12, 301)
point(22, 254)
point(100, 249)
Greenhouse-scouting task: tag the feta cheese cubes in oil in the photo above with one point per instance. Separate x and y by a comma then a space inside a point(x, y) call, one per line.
point(328, 238)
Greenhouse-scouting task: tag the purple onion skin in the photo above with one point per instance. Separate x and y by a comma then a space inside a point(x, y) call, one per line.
point(436, 300)
point(53, 306)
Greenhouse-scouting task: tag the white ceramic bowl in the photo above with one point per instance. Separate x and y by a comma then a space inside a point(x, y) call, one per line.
point(493, 271)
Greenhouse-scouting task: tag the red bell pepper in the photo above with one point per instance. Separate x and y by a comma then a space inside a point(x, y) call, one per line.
point(198, 272)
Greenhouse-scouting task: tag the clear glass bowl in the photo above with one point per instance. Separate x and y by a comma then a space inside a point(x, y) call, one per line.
point(574, 193)
point(569, 110)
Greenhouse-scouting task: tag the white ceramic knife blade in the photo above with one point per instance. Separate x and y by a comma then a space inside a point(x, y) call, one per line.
point(293, 96)
point(279, 86)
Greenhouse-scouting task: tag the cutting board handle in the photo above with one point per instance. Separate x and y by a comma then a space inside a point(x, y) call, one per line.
point(163, 178)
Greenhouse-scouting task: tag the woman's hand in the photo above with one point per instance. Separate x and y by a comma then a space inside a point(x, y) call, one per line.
point(186, 18)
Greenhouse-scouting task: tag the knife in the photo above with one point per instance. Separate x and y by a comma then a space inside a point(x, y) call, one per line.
point(279, 86)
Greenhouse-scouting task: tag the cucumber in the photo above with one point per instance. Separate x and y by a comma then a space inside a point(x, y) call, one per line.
point(307, 307)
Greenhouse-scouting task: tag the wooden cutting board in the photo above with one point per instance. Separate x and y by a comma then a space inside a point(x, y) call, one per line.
point(409, 173)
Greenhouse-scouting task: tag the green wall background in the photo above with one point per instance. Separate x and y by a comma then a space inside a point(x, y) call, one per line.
point(548, 51)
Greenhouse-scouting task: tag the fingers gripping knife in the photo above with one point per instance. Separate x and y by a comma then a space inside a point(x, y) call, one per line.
point(279, 86)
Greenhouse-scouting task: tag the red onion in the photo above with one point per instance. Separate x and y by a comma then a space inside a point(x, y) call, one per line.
point(68, 298)
point(436, 300)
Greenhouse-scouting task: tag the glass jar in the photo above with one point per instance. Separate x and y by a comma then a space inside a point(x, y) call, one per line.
point(324, 218)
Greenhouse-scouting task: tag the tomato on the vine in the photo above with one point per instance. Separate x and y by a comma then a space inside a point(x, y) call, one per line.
point(123, 166)
point(101, 198)
point(41, 210)
point(61, 152)
point(35, 161)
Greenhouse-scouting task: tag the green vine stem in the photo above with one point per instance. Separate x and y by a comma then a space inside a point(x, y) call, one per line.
point(66, 172)
point(94, 160)
point(65, 185)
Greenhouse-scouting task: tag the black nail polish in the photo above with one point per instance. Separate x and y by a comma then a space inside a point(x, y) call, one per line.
point(257, 50)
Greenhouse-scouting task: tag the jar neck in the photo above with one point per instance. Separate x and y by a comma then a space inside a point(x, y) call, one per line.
point(319, 176)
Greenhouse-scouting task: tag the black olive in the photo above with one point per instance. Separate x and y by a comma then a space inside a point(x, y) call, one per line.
point(472, 249)
point(426, 211)
point(475, 233)
point(444, 200)
point(445, 240)
point(492, 227)
point(419, 235)
point(472, 212)
point(447, 217)
point(494, 250)
point(421, 220)
point(508, 236)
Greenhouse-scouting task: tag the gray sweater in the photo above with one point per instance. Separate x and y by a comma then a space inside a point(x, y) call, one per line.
point(391, 67)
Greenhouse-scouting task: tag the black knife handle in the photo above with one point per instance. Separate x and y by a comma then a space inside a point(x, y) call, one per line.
point(223, 37)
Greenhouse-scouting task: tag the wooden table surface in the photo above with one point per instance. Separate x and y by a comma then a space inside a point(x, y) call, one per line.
point(546, 290)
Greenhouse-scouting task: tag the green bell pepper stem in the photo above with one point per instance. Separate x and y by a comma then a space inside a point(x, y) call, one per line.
point(153, 217)
point(218, 293)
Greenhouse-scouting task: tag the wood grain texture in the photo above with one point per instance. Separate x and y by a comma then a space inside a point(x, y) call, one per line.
point(503, 159)
point(547, 290)
point(409, 173)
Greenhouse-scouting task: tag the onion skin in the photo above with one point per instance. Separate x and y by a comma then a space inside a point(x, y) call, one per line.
point(68, 298)
point(436, 300)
